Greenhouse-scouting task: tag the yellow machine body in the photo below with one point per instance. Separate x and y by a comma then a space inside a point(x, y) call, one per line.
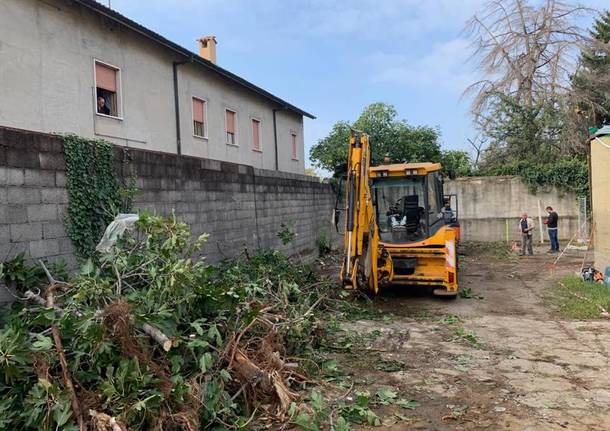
point(396, 232)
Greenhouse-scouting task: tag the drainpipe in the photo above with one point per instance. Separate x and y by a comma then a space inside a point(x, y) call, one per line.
point(283, 108)
point(275, 139)
point(175, 65)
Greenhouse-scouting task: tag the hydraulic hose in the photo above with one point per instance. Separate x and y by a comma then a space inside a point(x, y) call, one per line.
point(350, 204)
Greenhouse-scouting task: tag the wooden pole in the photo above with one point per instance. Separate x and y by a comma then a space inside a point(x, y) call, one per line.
point(540, 223)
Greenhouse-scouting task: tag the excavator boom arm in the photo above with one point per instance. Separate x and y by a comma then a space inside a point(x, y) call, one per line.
point(360, 228)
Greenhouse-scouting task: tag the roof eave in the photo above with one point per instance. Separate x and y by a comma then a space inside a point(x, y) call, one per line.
point(134, 26)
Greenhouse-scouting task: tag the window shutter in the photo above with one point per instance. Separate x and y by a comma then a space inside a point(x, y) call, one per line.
point(105, 77)
point(294, 146)
point(256, 134)
point(198, 110)
point(230, 122)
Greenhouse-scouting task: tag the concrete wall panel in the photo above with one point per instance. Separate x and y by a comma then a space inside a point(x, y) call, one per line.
point(490, 207)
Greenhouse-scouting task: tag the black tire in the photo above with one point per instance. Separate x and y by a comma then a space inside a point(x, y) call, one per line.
point(443, 293)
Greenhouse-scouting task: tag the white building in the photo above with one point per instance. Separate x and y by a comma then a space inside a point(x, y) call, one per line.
point(57, 57)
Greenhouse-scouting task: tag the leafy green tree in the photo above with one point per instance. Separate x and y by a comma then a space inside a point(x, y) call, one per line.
point(311, 172)
point(591, 85)
point(531, 142)
point(520, 132)
point(331, 152)
point(456, 163)
point(389, 136)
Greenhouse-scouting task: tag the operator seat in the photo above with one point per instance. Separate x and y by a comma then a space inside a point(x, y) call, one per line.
point(412, 211)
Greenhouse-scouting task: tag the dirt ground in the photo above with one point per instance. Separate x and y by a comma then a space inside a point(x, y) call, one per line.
point(503, 361)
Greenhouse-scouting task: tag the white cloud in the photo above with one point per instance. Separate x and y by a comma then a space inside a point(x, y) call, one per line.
point(444, 67)
point(378, 19)
point(372, 20)
point(357, 19)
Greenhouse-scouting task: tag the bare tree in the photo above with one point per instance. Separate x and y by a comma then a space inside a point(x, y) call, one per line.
point(525, 52)
point(478, 144)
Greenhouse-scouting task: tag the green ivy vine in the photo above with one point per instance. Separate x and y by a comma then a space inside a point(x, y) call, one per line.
point(567, 174)
point(95, 194)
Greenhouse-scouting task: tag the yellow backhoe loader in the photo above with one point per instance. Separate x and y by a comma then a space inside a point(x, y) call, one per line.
point(400, 229)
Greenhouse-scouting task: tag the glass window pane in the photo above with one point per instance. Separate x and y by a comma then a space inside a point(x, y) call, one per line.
point(400, 208)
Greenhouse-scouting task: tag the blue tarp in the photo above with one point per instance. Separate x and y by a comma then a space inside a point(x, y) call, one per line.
point(603, 131)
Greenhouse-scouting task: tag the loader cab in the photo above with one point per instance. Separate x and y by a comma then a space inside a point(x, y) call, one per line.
point(409, 202)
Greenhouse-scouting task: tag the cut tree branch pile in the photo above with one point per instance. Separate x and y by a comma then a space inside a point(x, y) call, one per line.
point(148, 338)
point(154, 333)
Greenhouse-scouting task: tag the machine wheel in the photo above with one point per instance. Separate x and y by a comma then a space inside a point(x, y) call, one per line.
point(444, 293)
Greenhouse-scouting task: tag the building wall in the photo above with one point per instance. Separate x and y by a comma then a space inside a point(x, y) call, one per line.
point(600, 185)
point(489, 208)
point(221, 95)
point(47, 54)
point(237, 205)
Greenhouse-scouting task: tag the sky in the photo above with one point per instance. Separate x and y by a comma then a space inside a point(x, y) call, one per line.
point(333, 57)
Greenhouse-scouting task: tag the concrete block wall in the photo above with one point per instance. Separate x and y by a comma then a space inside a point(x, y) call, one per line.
point(237, 205)
point(489, 208)
point(33, 198)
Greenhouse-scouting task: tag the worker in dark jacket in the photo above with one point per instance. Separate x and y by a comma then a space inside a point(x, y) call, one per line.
point(551, 226)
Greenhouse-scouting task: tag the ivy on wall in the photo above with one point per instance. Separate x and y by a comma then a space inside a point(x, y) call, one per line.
point(567, 174)
point(95, 194)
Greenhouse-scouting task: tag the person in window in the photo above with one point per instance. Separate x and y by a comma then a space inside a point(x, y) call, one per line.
point(447, 212)
point(395, 217)
point(397, 221)
point(101, 106)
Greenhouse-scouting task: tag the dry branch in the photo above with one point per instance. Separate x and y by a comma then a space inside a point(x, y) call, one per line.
point(50, 277)
point(284, 395)
point(158, 336)
point(104, 422)
point(251, 374)
point(257, 364)
point(119, 320)
point(269, 383)
point(529, 51)
point(154, 333)
point(31, 296)
point(76, 410)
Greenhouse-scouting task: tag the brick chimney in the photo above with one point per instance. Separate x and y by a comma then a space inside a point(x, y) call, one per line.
point(207, 48)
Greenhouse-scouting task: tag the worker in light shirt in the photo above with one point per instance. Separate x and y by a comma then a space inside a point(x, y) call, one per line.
point(526, 226)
